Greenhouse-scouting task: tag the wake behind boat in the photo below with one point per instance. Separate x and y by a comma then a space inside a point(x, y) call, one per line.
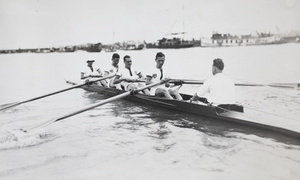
point(225, 112)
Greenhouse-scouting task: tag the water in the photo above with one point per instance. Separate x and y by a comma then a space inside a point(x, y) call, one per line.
point(125, 140)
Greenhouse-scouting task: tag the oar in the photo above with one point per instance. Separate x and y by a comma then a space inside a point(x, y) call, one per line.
point(95, 105)
point(176, 81)
point(50, 94)
point(179, 81)
point(280, 85)
point(187, 80)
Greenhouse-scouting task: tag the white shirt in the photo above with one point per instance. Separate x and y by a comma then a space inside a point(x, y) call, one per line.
point(218, 89)
point(125, 74)
point(157, 75)
point(87, 71)
point(111, 70)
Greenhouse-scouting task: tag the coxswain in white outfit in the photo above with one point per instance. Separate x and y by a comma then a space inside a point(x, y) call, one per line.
point(219, 89)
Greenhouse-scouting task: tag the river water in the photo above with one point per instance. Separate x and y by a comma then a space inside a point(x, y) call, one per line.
point(125, 140)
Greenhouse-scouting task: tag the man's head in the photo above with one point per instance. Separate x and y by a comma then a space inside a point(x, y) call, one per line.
point(115, 59)
point(127, 61)
point(217, 66)
point(90, 62)
point(160, 59)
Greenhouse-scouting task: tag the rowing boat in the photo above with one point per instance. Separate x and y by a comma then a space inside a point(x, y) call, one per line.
point(224, 112)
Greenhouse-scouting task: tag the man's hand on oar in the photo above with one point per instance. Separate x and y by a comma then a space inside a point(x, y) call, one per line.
point(134, 92)
point(56, 92)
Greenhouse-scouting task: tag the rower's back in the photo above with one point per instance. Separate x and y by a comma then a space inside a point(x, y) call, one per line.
point(220, 89)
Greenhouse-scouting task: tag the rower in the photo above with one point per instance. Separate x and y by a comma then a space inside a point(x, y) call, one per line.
point(113, 68)
point(219, 89)
point(90, 73)
point(156, 74)
point(128, 76)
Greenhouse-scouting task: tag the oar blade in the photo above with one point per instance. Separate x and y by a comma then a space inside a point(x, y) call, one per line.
point(10, 105)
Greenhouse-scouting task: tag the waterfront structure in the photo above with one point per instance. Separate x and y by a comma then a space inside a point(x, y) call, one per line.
point(227, 40)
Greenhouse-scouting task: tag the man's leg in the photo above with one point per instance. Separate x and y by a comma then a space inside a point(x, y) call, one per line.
point(164, 92)
point(176, 94)
point(131, 87)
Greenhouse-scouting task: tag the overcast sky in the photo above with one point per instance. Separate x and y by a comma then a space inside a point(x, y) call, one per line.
point(46, 23)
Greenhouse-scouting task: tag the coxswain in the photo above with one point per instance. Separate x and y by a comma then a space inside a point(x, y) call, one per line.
point(219, 89)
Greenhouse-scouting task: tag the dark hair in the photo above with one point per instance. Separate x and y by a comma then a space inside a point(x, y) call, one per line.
point(159, 54)
point(90, 60)
point(218, 63)
point(124, 58)
point(115, 55)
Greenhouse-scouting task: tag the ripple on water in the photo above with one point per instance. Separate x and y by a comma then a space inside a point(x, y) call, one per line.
point(14, 139)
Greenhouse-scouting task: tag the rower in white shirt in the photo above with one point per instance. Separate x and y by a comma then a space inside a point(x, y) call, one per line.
point(127, 76)
point(113, 68)
point(157, 74)
point(90, 73)
point(219, 89)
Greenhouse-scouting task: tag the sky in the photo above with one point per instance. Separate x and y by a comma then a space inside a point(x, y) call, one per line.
point(54, 23)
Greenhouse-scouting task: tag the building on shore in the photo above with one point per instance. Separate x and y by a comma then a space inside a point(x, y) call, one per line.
point(228, 40)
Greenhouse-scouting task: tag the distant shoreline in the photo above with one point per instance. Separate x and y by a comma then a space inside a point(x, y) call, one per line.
point(217, 40)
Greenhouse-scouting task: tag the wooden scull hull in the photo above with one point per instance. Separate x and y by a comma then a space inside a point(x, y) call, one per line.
point(215, 112)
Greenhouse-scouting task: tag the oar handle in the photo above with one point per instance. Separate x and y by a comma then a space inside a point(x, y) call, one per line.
point(100, 79)
point(179, 81)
